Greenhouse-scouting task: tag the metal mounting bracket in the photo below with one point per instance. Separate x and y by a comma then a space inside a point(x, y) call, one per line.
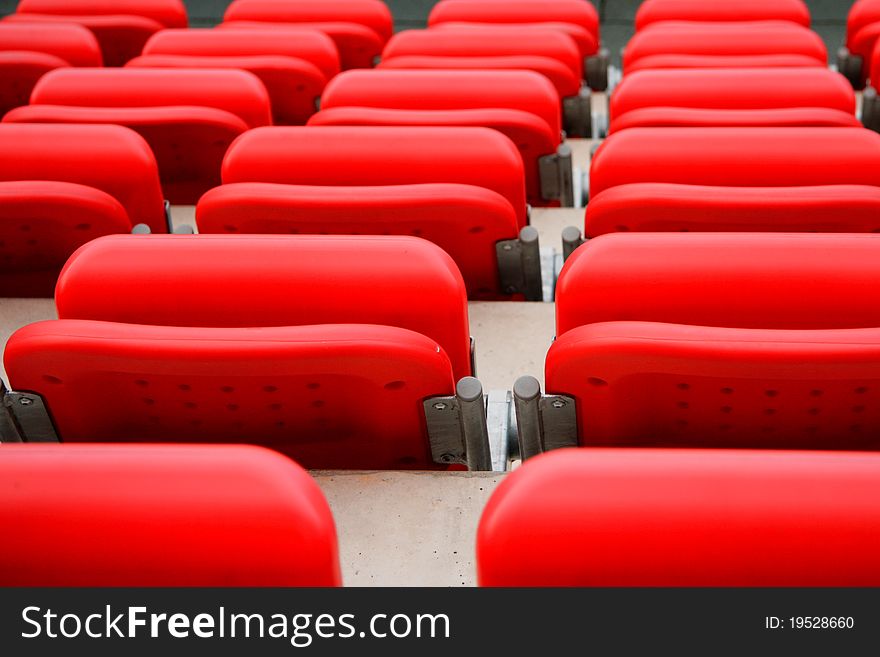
point(24, 418)
point(519, 265)
point(571, 240)
point(543, 422)
point(596, 70)
point(555, 174)
point(851, 66)
point(168, 221)
point(577, 114)
point(457, 427)
point(871, 109)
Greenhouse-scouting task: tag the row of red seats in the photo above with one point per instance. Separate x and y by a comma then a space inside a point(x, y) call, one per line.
point(721, 339)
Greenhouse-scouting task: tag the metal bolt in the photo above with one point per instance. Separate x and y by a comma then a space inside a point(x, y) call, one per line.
point(447, 458)
point(507, 247)
point(25, 401)
point(558, 403)
point(440, 406)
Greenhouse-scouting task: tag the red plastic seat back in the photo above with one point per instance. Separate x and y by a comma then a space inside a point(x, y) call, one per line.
point(725, 44)
point(42, 223)
point(656, 11)
point(683, 518)
point(667, 385)
point(487, 41)
point(251, 280)
point(738, 157)
point(340, 396)
point(302, 43)
point(465, 221)
point(447, 90)
point(566, 83)
point(767, 88)
point(666, 207)
point(237, 92)
point(579, 13)
point(170, 13)
point(528, 131)
point(119, 163)
point(587, 42)
point(29, 51)
point(358, 45)
point(122, 28)
point(373, 14)
point(294, 85)
point(862, 14)
point(686, 117)
point(70, 42)
point(188, 116)
point(741, 280)
point(379, 156)
point(142, 515)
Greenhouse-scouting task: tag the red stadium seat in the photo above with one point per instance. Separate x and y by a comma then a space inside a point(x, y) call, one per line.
point(336, 280)
point(313, 379)
point(862, 31)
point(738, 157)
point(520, 104)
point(466, 221)
point(577, 12)
point(360, 28)
point(656, 11)
point(808, 96)
point(28, 51)
point(606, 517)
point(189, 117)
point(665, 207)
point(487, 41)
point(739, 340)
point(50, 203)
point(358, 45)
point(576, 18)
point(724, 45)
point(380, 156)
point(146, 516)
point(122, 27)
point(294, 64)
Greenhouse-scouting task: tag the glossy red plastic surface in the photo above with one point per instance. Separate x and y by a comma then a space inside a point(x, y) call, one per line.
point(663, 207)
point(862, 14)
point(725, 44)
point(586, 41)
point(373, 14)
point(119, 163)
point(577, 12)
point(72, 43)
point(678, 61)
point(604, 517)
point(663, 385)
point(465, 221)
point(338, 396)
point(487, 41)
point(294, 85)
point(122, 28)
point(655, 11)
point(302, 43)
point(733, 89)
point(562, 78)
point(141, 515)
point(738, 157)
point(380, 156)
point(358, 45)
point(42, 223)
point(170, 13)
point(526, 91)
point(742, 280)
point(188, 116)
point(277, 280)
point(687, 117)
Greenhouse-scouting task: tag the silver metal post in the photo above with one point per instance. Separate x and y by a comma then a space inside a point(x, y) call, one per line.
point(571, 239)
point(472, 409)
point(526, 399)
point(531, 264)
